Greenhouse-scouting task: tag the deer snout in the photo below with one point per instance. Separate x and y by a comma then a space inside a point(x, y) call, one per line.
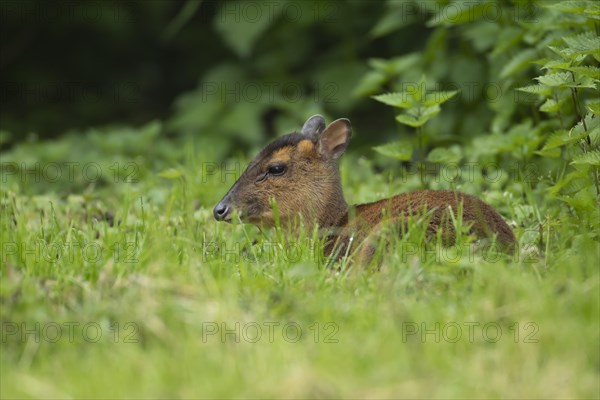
point(222, 211)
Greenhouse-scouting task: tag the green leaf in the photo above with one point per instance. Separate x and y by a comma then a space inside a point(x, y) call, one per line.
point(589, 158)
point(170, 173)
point(398, 99)
point(557, 139)
point(434, 98)
point(569, 6)
point(588, 70)
point(563, 137)
point(541, 90)
point(518, 63)
point(549, 153)
point(594, 107)
point(391, 21)
point(556, 64)
point(400, 150)
point(584, 43)
point(445, 155)
point(551, 106)
point(242, 28)
point(565, 80)
point(396, 65)
point(591, 125)
point(418, 117)
point(558, 79)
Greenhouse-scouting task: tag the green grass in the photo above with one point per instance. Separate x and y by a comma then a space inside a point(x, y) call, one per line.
point(161, 294)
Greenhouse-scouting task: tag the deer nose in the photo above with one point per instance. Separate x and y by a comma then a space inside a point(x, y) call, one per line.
point(221, 210)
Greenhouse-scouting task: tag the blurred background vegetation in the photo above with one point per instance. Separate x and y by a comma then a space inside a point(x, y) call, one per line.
point(246, 70)
point(251, 70)
point(142, 81)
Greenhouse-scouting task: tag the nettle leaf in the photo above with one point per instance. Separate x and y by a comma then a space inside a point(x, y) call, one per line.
point(588, 70)
point(556, 64)
point(396, 65)
point(397, 99)
point(568, 54)
point(443, 155)
point(400, 150)
point(563, 137)
point(434, 98)
point(584, 43)
point(565, 80)
point(419, 116)
point(592, 126)
point(570, 6)
point(589, 158)
point(518, 63)
point(541, 90)
point(594, 107)
point(558, 79)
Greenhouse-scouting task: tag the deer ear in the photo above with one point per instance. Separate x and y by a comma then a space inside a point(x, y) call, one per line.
point(335, 138)
point(313, 126)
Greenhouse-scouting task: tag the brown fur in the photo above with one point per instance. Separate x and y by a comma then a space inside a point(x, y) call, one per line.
point(311, 187)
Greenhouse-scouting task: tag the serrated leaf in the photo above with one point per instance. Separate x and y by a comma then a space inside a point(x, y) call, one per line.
point(584, 43)
point(565, 80)
point(418, 117)
point(590, 158)
point(397, 99)
point(594, 107)
point(396, 65)
point(558, 79)
point(581, 129)
point(541, 90)
point(435, 98)
point(400, 150)
point(588, 70)
point(556, 140)
point(570, 6)
point(170, 173)
point(556, 64)
point(563, 137)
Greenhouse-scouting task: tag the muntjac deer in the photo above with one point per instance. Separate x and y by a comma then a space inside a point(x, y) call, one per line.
point(299, 171)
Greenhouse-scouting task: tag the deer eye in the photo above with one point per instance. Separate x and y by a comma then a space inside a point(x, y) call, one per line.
point(276, 170)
